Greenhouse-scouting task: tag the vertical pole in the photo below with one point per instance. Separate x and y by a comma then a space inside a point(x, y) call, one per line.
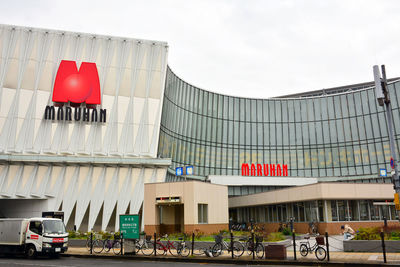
point(395, 178)
point(253, 245)
point(192, 243)
point(91, 242)
point(155, 243)
point(122, 244)
point(294, 245)
point(327, 244)
point(383, 246)
point(232, 244)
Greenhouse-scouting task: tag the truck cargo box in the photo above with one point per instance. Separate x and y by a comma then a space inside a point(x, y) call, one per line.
point(12, 231)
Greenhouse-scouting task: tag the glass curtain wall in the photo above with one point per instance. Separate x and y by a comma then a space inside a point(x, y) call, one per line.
point(341, 135)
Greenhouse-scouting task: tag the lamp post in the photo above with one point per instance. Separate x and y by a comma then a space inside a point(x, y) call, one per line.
point(382, 94)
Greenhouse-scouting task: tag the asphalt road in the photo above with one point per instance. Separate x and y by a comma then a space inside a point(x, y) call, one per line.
point(72, 261)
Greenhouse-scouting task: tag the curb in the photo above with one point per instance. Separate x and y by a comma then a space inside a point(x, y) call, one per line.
point(228, 261)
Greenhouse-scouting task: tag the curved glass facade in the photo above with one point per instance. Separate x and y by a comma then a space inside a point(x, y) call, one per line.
point(341, 135)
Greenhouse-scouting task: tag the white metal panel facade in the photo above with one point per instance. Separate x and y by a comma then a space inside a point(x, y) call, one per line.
point(132, 75)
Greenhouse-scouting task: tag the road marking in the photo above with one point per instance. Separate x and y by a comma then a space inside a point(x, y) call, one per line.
point(373, 258)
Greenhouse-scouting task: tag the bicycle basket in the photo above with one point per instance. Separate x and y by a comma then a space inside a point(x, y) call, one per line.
point(148, 237)
point(218, 238)
point(320, 240)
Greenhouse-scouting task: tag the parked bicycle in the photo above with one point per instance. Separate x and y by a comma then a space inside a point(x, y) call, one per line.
point(176, 248)
point(221, 244)
point(145, 245)
point(95, 243)
point(258, 247)
point(114, 244)
point(317, 248)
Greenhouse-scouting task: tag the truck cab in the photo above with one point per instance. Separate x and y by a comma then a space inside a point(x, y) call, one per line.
point(48, 236)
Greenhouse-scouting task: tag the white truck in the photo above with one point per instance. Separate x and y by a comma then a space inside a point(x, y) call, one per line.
point(33, 236)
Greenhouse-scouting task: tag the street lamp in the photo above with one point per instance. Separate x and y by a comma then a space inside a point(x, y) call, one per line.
point(382, 94)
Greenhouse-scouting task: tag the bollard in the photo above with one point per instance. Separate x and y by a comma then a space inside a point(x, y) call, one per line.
point(383, 246)
point(253, 245)
point(192, 243)
point(122, 244)
point(155, 243)
point(232, 244)
point(294, 245)
point(91, 242)
point(327, 245)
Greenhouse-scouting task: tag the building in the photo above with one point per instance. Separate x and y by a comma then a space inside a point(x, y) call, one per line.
point(91, 169)
point(330, 135)
point(89, 152)
point(185, 207)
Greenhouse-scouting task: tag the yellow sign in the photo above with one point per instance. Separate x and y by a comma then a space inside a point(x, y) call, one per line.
point(396, 201)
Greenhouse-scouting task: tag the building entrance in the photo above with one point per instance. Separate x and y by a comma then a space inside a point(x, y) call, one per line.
point(171, 218)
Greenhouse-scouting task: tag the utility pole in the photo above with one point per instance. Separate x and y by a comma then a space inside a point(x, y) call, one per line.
point(382, 94)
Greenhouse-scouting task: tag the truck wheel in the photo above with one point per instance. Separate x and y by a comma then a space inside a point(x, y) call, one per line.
point(30, 252)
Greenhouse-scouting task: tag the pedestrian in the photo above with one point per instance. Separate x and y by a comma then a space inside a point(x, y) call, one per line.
point(347, 231)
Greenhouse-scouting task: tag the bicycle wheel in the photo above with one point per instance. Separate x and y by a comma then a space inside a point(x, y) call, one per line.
point(107, 245)
point(116, 247)
point(249, 247)
point(217, 250)
point(88, 244)
point(260, 251)
point(184, 251)
point(303, 250)
point(161, 249)
point(238, 249)
point(320, 253)
point(147, 248)
point(175, 248)
point(97, 246)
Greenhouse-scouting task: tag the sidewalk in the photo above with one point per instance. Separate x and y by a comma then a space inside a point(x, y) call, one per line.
point(336, 257)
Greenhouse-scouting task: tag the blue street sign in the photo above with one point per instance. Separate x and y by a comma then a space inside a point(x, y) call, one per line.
point(179, 171)
point(392, 163)
point(189, 170)
point(383, 172)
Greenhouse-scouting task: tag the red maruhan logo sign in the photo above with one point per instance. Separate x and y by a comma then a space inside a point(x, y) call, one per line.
point(264, 169)
point(77, 86)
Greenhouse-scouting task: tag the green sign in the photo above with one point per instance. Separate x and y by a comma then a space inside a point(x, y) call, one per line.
point(129, 226)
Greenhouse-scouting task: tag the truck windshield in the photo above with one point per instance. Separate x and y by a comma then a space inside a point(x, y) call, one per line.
point(53, 227)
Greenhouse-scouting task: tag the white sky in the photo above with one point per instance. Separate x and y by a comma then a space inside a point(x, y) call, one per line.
point(244, 48)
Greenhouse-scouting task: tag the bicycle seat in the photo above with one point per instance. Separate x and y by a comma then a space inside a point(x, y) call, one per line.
point(307, 237)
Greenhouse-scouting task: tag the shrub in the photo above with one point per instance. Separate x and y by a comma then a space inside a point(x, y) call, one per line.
point(274, 237)
point(368, 233)
point(286, 231)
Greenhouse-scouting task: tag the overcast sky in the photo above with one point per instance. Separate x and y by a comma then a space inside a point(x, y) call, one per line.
point(244, 48)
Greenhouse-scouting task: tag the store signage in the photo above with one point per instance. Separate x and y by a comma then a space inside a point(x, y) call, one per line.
point(161, 200)
point(264, 169)
point(76, 87)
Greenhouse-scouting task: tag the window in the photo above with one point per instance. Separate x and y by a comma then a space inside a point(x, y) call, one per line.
point(36, 227)
point(203, 213)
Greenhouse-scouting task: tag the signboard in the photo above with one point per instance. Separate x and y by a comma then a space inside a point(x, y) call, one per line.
point(129, 226)
point(383, 172)
point(189, 170)
point(396, 201)
point(392, 163)
point(179, 171)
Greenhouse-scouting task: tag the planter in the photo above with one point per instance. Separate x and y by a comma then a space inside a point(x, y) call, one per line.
point(370, 245)
point(276, 252)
